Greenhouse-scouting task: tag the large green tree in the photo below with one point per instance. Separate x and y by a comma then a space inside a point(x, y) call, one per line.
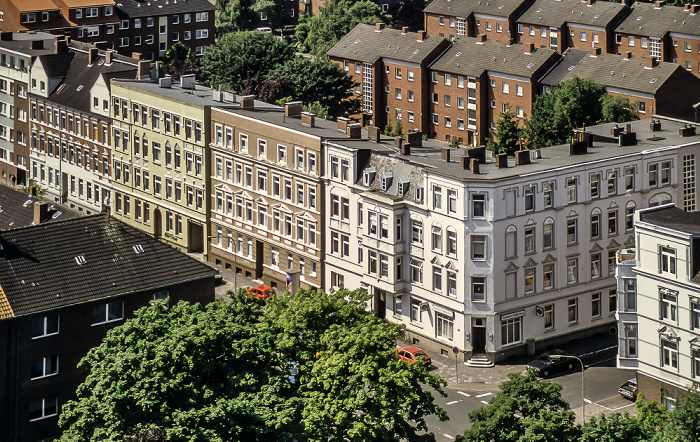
point(238, 56)
point(506, 135)
point(526, 409)
point(683, 424)
point(222, 373)
point(615, 428)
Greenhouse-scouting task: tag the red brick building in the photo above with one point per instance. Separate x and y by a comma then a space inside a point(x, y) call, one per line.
point(477, 79)
point(390, 67)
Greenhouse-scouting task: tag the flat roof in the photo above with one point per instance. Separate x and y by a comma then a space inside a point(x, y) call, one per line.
point(673, 218)
point(199, 96)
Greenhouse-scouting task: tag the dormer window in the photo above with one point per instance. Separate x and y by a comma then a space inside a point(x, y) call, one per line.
point(402, 186)
point(386, 180)
point(91, 12)
point(78, 13)
point(420, 193)
point(109, 10)
point(28, 17)
point(368, 176)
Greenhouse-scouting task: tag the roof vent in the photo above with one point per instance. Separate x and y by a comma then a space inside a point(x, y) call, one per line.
point(187, 81)
point(165, 82)
point(138, 248)
point(80, 260)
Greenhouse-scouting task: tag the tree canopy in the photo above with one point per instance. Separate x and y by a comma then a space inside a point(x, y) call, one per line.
point(507, 134)
point(311, 366)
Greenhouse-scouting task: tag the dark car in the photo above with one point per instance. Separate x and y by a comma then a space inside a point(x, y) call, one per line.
point(629, 389)
point(546, 366)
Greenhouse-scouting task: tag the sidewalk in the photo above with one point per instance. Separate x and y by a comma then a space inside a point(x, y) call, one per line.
point(230, 280)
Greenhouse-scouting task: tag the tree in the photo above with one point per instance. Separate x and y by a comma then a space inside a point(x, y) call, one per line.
point(234, 15)
point(269, 90)
point(526, 409)
point(506, 135)
point(275, 10)
point(238, 56)
point(683, 424)
point(408, 13)
point(179, 51)
point(615, 428)
point(650, 414)
point(618, 109)
point(179, 60)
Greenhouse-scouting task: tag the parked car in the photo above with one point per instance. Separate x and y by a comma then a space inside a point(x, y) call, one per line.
point(266, 29)
point(412, 354)
point(629, 389)
point(261, 291)
point(546, 366)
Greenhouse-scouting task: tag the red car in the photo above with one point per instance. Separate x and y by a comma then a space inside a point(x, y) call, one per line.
point(261, 291)
point(412, 354)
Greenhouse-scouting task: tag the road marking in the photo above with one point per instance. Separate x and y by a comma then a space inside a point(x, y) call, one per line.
point(454, 402)
point(588, 401)
point(448, 436)
point(464, 394)
point(484, 394)
point(484, 402)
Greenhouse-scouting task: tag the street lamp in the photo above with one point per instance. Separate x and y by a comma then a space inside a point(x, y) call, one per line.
point(583, 384)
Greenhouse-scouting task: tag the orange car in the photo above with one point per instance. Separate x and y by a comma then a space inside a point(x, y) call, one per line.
point(412, 354)
point(261, 291)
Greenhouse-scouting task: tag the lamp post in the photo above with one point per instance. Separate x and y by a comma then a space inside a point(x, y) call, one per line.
point(583, 384)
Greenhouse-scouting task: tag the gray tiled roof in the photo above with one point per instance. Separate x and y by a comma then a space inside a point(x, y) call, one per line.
point(464, 8)
point(17, 209)
point(467, 57)
point(557, 12)
point(611, 70)
point(365, 44)
point(151, 8)
point(39, 270)
point(646, 19)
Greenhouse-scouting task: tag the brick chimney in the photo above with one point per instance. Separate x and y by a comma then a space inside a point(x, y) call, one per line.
point(248, 101)
point(659, 4)
point(474, 165)
point(342, 123)
point(136, 55)
point(446, 154)
point(590, 2)
point(628, 55)
point(421, 35)
point(529, 48)
point(60, 45)
point(92, 55)
point(292, 108)
point(374, 133)
point(354, 130)
point(404, 30)
point(379, 27)
point(143, 70)
point(481, 38)
point(650, 62)
point(109, 56)
point(41, 211)
point(308, 119)
point(595, 51)
point(694, 9)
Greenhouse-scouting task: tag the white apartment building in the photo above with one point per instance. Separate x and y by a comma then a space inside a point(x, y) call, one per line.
point(507, 260)
point(659, 317)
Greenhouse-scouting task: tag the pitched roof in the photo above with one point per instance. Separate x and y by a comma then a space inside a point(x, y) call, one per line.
point(84, 3)
point(467, 57)
point(464, 8)
point(39, 268)
point(558, 12)
point(611, 70)
point(366, 44)
point(17, 209)
point(646, 19)
point(150, 8)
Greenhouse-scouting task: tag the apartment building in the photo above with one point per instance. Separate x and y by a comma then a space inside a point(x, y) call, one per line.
point(390, 67)
point(657, 87)
point(267, 192)
point(659, 313)
point(497, 261)
point(563, 24)
point(668, 33)
point(496, 20)
point(476, 79)
point(18, 52)
point(70, 138)
point(84, 276)
point(160, 158)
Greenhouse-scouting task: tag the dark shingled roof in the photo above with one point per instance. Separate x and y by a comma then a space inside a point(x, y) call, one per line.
point(557, 12)
point(611, 70)
point(365, 44)
point(646, 19)
point(39, 270)
point(673, 218)
point(150, 8)
point(467, 57)
point(464, 8)
point(17, 209)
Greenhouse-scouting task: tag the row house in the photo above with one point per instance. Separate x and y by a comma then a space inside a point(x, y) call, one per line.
point(390, 69)
point(70, 126)
point(657, 88)
point(659, 306)
point(18, 52)
point(160, 158)
point(477, 79)
point(498, 261)
point(495, 19)
point(267, 192)
point(84, 277)
point(668, 33)
point(562, 24)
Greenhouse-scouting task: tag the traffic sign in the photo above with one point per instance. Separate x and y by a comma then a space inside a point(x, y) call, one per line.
point(455, 350)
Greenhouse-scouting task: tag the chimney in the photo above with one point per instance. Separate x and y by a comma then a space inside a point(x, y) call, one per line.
point(590, 2)
point(623, 2)
point(6, 36)
point(405, 149)
point(414, 138)
point(659, 4)
point(421, 35)
point(143, 70)
point(464, 162)
point(60, 45)
point(686, 131)
point(404, 30)
point(101, 45)
point(187, 81)
point(136, 55)
point(354, 130)
point(522, 157)
point(248, 101)
point(529, 48)
point(502, 160)
point(650, 62)
point(628, 55)
point(343, 123)
point(292, 108)
point(41, 211)
point(92, 55)
point(694, 9)
point(655, 125)
point(686, 6)
point(477, 152)
point(379, 27)
point(446, 154)
point(308, 119)
point(109, 55)
point(595, 51)
point(481, 38)
point(398, 142)
point(374, 133)
point(36, 44)
point(474, 165)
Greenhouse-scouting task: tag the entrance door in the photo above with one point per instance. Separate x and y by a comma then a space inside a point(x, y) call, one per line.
point(259, 253)
point(478, 335)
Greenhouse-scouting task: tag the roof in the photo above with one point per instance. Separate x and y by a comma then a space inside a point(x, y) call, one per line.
point(17, 209)
point(558, 12)
point(21, 42)
point(200, 96)
point(467, 57)
point(365, 43)
point(13, 8)
point(673, 218)
point(646, 19)
point(150, 8)
point(611, 70)
point(40, 269)
point(84, 3)
point(34, 5)
point(464, 8)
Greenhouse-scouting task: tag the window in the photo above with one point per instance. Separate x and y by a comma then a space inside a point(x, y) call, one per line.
point(571, 231)
point(478, 245)
point(612, 301)
point(548, 192)
point(437, 279)
point(695, 318)
point(630, 340)
point(44, 326)
point(548, 276)
point(596, 310)
point(104, 313)
point(505, 88)
point(43, 408)
point(529, 199)
point(595, 185)
point(667, 260)
point(478, 288)
point(571, 190)
point(653, 174)
point(573, 311)
point(629, 178)
point(665, 172)
point(572, 271)
point(532, 30)
point(511, 330)
point(668, 304)
point(437, 197)
point(416, 312)
point(511, 242)
point(416, 232)
point(451, 241)
point(629, 216)
point(595, 224)
point(529, 240)
point(46, 366)
point(478, 205)
point(669, 354)
point(612, 222)
point(416, 271)
point(529, 280)
point(281, 153)
point(436, 235)
point(452, 201)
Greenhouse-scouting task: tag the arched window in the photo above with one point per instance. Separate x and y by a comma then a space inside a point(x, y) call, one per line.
point(511, 236)
point(595, 223)
point(548, 234)
point(436, 234)
point(629, 216)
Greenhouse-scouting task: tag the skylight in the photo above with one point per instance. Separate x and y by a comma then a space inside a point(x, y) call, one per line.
point(80, 259)
point(138, 248)
point(57, 214)
point(80, 88)
point(27, 203)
